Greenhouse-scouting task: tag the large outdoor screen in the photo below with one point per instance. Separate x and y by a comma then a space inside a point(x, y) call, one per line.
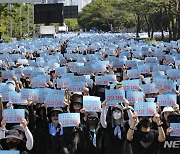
point(48, 13)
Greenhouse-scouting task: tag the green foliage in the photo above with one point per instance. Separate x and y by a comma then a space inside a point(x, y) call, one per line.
point(72, 24)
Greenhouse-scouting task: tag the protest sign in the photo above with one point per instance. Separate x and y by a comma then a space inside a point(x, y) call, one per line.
point(15, 98)
point(101, 80)
point(143, 69)
point(74, 66)
point(63, 82)
point(131, 84)
point(13, 115)
point(91, 104)
point(23, 61)
point(76, 86)
point(134, 96)
point(60, 71)
point(133, 73)
point(174, 74)
point(38, 82)
point(7, 74)
point(29, 94)
point(145, 108)
point(152, 60)
point(69, 119)
point(175, 129)
point(54, 100)
point(41, 94)
point(9, 152)
point(149, 88)
point(167, 99)
point(114, 96)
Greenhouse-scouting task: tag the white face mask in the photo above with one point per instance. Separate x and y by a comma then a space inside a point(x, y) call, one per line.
point(117, 115)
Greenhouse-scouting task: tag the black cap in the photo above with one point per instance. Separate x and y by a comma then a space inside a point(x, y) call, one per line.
point(56, 109)
point(92, 114)
point(77, 100)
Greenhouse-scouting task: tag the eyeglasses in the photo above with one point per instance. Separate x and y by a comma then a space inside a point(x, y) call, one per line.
point(92, 118)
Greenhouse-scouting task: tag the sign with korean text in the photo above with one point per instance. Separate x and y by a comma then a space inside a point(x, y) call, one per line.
point(149, 88)
point(167, 99)
point(69, 119)
point(54, 100)
point(175, 129)
point(13, 115)
point(134, 96)
point(131, 84)
point(114, 96)
point(145, 108)
point(91, 104)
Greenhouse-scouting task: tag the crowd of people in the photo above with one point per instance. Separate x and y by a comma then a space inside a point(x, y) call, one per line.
point(52, 65)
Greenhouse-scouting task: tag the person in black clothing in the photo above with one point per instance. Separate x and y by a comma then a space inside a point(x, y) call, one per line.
point(13, 141)
point(93, 134)
point(145, 140)
point(55, 132)
point(41, 131)
point(115, 129)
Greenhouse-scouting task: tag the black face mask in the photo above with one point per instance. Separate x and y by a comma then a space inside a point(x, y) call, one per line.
point(145, 123)
point(12, 145)
point(92, 122)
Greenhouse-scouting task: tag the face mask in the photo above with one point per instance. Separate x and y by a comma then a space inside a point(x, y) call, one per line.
point(145, 123)
point(12, 145)
point(117, 115)
point(92, 122)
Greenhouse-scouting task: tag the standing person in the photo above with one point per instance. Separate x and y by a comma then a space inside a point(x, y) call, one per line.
point(55, 132)
point(115, 129)
point(73, 137)
point(13, 141)
point(145, 140)
point(41, 131)
point(93, 134)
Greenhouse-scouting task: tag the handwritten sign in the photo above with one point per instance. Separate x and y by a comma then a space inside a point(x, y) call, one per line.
point(114, 96)
point(167, 99)
point(145, 108)
point(175, 129)
point(13, 115)
point(131, 84)
point(134, 96)
point(69, 119)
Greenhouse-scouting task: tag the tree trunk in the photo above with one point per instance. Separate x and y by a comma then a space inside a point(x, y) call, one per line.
point(152, 27)
point(138, 25)
point(174, 28)
point(148, 26)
